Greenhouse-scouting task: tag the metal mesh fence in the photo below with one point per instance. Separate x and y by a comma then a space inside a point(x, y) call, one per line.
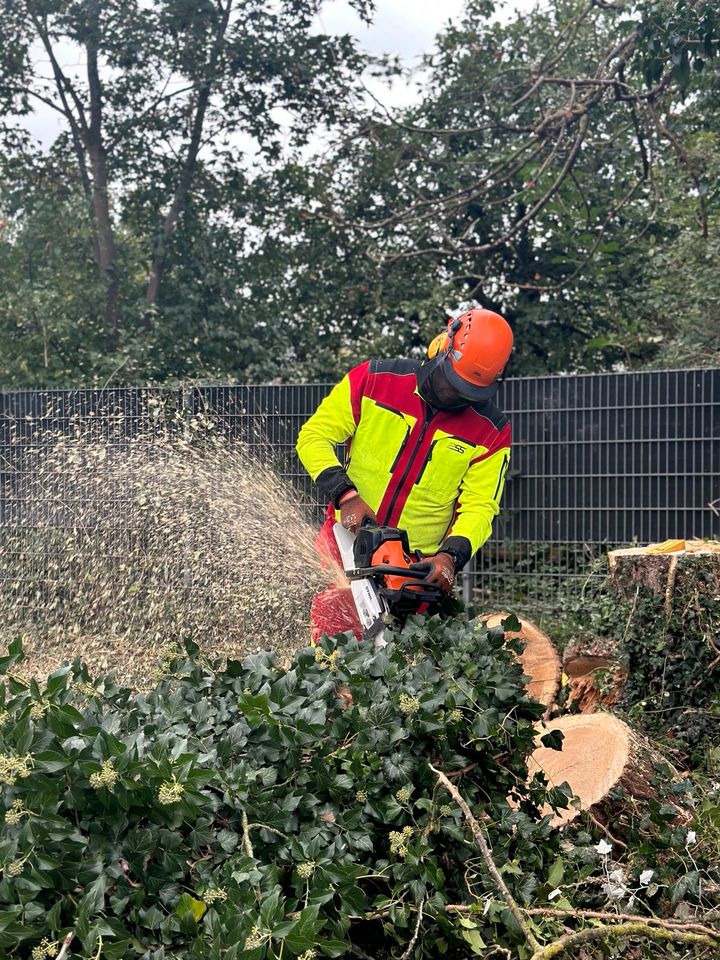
point(598, 461)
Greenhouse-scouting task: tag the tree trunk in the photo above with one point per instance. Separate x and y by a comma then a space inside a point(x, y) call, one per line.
point(666, 574)
point(157, 267)
point(105, 238)
point(539, 659)
point(670, 630)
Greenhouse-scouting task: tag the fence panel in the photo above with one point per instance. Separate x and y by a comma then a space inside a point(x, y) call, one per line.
point(598, 460)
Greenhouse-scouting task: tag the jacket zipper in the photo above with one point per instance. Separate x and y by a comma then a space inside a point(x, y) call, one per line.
point(427, 460)
point(503, 469)
point(401, 448)
point(404, 477)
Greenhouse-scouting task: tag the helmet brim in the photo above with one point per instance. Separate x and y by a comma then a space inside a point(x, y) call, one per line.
point(471, 392)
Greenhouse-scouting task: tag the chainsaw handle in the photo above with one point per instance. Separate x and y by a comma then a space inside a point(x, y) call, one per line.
point(359, 573)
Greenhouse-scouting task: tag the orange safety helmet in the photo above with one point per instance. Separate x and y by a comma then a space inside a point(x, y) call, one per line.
point(473, 351)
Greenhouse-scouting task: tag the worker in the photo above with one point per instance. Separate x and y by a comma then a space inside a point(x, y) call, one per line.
point(427, 451)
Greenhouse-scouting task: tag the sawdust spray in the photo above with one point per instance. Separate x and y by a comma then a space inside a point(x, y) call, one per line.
point(112, 552)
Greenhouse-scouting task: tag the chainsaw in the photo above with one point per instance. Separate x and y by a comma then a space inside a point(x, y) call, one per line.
point(377, 563)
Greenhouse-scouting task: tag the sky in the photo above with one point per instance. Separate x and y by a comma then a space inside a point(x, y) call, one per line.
point(404, 27)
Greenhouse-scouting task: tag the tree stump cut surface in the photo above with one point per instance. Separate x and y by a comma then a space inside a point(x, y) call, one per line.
point(599, 753)
point(664, 574)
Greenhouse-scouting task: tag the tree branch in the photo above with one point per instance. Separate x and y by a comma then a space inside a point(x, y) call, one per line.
point(631, 917)
point(570, 941)
point(482, 843)
point(78, 127)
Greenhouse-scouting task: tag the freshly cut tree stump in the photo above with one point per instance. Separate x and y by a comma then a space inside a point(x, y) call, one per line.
point(540, 660)
point(665, 574)
point(669, 622)
point(593, 681)
point(599, 754)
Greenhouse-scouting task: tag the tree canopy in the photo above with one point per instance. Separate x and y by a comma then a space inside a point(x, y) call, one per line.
point(227, 200)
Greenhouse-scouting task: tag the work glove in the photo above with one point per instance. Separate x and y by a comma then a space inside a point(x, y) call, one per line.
point(353, 511)
point(439, 570)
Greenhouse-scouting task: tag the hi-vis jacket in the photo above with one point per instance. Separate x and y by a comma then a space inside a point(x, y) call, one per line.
point(439, 474)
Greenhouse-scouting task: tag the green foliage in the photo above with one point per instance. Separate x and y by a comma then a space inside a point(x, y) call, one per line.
point(672, 686)
point(157, 140)
point(536, 174)
point(261, 809)
point(677, 36)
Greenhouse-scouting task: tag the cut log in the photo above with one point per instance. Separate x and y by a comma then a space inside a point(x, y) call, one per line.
point(540, 660)
point(600, 754)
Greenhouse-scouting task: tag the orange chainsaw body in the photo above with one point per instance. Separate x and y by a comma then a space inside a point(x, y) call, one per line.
point(392, 553)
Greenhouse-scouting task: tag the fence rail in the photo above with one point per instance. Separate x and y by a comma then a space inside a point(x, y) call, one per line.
point(598, 460)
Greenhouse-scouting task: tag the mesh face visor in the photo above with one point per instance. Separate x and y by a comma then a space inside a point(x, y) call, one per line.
point(470, 392)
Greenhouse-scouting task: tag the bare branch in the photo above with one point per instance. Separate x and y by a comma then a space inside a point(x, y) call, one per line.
point(78, 127)
point(568, 943)
point(484, 848)
point(63, 84)
point(138, 117)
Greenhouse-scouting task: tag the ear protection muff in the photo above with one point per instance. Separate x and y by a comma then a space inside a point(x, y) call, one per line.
point(438, 345)
point(443, 342)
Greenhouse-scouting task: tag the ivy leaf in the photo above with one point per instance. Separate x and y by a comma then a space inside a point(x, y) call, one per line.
point(94, 898)
point(556, 874)
point(553, 740)
point(687, 885)
point(475, 941)
point(255, 708)
point(63, 720)
point(303, 934)
point(188, 904)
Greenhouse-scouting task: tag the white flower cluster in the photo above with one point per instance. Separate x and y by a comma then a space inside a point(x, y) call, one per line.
point(13, 768)
point(215, 895)
point(45, 948)
point(106, 777)
point(37, 710)
point(403, 794)
point(399, 840)
point(16, 813)
point(307, 869)
point(170, 792)
point(408, 705)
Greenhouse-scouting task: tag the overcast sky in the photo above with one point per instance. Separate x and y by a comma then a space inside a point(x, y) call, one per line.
point(404, 27)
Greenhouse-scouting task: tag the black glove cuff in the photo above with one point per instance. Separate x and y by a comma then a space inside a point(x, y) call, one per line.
point(334, 482)
point(459, 549)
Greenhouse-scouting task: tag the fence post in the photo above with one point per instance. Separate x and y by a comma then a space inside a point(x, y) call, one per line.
point(466, 577)
point(186, 409)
